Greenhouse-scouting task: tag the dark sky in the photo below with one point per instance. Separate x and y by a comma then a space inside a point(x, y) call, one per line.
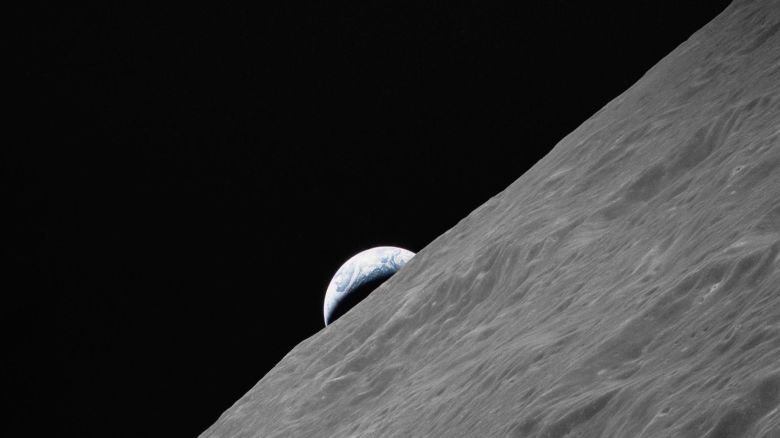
point(185, 182)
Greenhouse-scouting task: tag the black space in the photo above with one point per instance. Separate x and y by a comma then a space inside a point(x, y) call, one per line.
point(182, 183)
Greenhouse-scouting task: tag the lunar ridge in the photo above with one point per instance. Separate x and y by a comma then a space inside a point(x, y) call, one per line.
point(627, 285)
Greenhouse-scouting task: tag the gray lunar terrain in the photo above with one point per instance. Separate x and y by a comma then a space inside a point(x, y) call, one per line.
point(628, 285)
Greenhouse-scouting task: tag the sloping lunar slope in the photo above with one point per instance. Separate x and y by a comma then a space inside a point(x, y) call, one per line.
point(628, 285)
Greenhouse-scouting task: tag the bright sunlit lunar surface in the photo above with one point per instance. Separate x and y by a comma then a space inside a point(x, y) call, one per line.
point(366, 267)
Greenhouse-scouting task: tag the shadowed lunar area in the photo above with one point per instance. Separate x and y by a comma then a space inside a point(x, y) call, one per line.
point(626, 286)
point(360, 275)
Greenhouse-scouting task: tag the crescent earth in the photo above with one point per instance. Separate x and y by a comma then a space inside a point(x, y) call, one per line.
point(367, 266)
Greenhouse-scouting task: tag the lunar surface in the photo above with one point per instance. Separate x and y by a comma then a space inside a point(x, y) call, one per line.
point(628, 285)
point(358, 276)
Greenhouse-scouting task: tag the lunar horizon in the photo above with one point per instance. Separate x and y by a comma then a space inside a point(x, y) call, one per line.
point(624, 286)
